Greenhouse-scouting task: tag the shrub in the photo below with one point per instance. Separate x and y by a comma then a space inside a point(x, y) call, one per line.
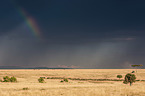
point(26, 88)
point(65, 80)
point(6, 79)
point(42, 89)
point(129, 78)
point(41, 80)
point(119, 76)
point(133, 72)
point(61, 81)
point(42, 77)
point(13, 79)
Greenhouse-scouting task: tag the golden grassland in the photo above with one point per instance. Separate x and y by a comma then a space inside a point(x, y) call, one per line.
point(28, 84)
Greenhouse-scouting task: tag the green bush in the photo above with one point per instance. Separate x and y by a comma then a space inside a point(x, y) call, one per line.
point(6, 79)
point(133, 72)
point(61, 81)
point(41, 80)
point(119, 76)
point(65, 80)
point(26, 88)
point(42, 77)
point(129, 78)
point(13, 79)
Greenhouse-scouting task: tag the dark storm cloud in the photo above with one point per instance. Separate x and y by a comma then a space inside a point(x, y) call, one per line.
point(87, 34)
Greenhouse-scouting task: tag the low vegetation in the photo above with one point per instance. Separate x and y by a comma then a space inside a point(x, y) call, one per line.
point(61, 81)
point(81, 79)
point(13, 79)
point(133, 72)
point(119, 76)
point(41, 80)
point(64, 80)
point(25, 88)
point(8, 79)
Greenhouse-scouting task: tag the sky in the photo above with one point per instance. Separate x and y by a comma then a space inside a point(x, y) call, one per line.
point(72, 33)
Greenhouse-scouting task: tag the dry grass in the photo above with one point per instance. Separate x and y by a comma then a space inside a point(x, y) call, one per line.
point(28, 85)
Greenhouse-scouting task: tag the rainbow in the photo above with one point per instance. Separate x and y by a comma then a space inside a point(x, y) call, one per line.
point(31, 22)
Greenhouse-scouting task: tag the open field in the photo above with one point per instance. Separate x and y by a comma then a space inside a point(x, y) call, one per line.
point(53, 87)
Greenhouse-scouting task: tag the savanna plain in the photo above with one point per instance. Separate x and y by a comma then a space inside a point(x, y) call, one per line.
point(81, 82)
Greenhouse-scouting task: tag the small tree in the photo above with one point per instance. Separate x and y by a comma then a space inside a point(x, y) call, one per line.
point(129, 78)
point(41, 80)
point(119, 76)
